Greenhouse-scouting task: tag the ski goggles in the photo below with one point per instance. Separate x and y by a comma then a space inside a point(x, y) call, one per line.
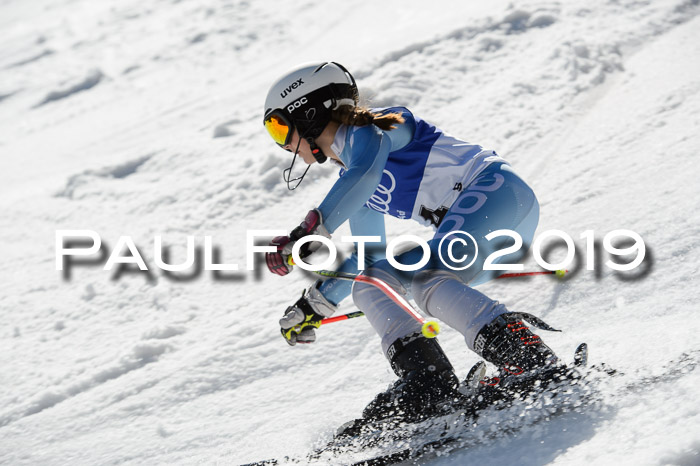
point(279, 128)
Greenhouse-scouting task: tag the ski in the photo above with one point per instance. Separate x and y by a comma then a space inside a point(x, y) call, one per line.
point(445, 426)
point(396, 441)
point(587, 384)
point(448, 425)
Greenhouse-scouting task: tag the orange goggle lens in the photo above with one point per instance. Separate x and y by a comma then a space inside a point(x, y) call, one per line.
point(278, 129)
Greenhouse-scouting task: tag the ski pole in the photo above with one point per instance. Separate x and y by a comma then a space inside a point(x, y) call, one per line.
point(429, 328)
point(353, 315)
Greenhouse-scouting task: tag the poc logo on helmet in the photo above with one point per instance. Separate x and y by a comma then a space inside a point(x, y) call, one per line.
point(297, 104)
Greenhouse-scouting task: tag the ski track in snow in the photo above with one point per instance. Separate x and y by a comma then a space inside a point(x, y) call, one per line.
point(143, 119)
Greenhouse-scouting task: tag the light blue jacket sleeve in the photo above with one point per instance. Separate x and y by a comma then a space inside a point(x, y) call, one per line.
point(364, 222)
point(364, 156)
point(365, 159)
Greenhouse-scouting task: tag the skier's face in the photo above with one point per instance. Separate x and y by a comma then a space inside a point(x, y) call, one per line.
point(304, 149)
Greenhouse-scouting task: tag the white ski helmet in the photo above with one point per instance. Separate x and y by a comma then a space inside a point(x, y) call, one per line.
point(304, 99)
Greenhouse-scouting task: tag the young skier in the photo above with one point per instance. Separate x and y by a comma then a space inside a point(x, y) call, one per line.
point(395, 163)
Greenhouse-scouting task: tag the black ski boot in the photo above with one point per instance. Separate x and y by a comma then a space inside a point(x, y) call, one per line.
point(426, 379)
point(509, 344)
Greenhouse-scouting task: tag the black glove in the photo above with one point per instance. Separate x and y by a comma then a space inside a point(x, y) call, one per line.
point(300, 320)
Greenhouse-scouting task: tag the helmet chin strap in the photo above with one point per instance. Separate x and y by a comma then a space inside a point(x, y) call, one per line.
point(318, 155)
point(316, 151)
point(287, 173)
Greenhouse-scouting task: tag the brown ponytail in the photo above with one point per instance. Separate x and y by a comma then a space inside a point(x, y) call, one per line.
point(362, 116)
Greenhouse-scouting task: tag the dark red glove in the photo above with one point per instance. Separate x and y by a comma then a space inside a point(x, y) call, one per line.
point(277, 261)
point(311, 223)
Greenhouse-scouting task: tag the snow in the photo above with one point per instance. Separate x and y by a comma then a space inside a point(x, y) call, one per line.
point(143, 119)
